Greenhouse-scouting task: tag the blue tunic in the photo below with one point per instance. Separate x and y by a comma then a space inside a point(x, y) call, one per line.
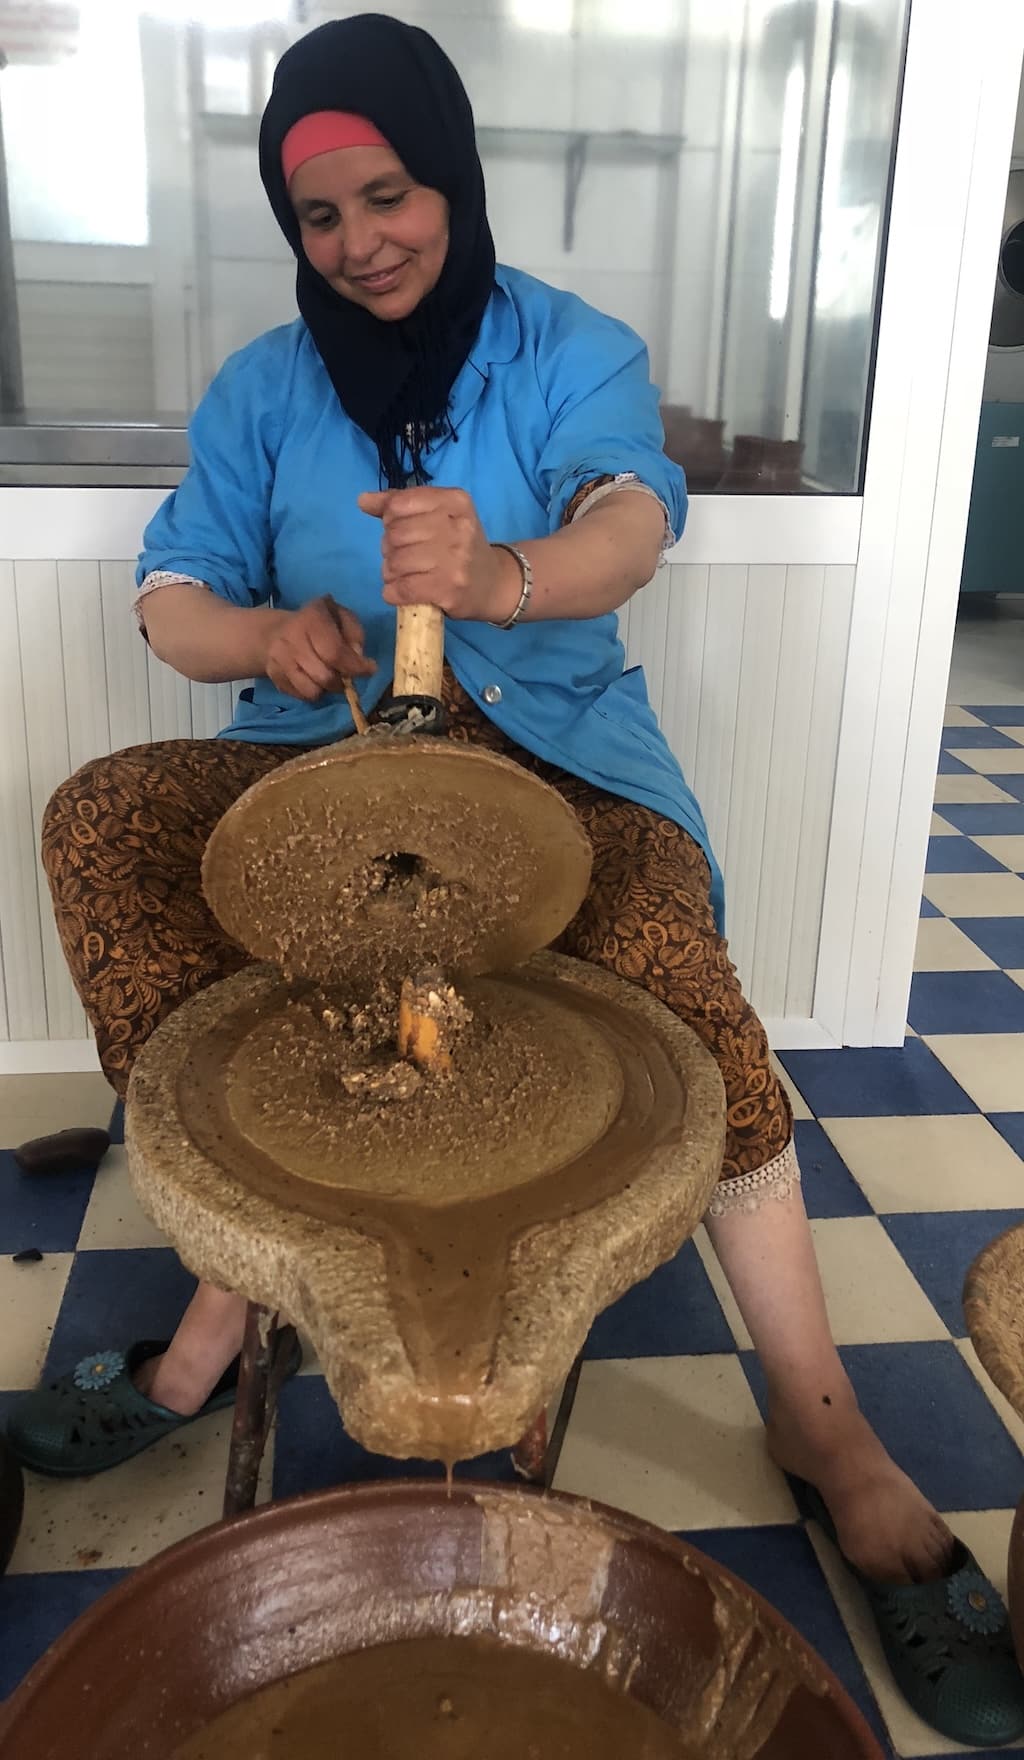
point(553, 395)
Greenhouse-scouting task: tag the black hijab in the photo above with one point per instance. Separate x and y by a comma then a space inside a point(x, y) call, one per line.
point(393, 379)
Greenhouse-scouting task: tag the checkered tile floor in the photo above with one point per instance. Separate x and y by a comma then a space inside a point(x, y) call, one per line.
point(912, 1161)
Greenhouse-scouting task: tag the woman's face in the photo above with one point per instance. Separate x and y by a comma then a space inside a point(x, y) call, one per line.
point(378, 237)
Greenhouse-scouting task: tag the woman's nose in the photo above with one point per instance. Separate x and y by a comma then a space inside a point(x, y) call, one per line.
point(360, 239)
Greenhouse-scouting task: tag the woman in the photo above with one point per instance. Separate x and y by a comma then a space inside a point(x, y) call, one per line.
point(483, 443)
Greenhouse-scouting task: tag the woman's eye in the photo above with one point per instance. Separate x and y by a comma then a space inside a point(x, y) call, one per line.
point(387, 203)
point(322, 220)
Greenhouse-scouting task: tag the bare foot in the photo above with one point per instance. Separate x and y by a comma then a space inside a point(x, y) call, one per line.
point(884, 1524)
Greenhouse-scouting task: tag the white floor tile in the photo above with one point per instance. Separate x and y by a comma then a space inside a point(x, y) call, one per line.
point(858, 1261)
point(30, 1299)
point(943, 947)
point(988, 1066)
point(970, 791)
point(114, 1217)
point(34, 1106)
point(1018, 978)
point(942, 828)
point(122, 1518)
point(1008, 850)
point(976, 895)
point(912, 1164)
point(957, 717)
point(1016, 733)
point(992, 760)
point(676, 1440)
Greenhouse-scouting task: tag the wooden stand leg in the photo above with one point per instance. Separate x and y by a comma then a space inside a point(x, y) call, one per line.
point(536, 1455)
point(266, 1348)
point(530, 1452)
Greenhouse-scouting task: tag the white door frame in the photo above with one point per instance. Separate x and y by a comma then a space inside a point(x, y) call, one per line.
point(953, 151)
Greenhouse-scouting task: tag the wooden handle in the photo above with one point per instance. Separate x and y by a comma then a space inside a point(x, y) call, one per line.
point(419, 651)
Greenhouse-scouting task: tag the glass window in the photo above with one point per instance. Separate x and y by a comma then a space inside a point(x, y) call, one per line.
point(715, 172)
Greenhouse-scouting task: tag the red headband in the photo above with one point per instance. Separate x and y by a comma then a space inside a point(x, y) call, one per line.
point(325, 131)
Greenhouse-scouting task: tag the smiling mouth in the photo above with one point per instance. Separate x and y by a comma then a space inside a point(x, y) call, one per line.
point(382, 280)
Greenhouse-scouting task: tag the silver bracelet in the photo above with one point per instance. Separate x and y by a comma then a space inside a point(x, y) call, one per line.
point(526, 595)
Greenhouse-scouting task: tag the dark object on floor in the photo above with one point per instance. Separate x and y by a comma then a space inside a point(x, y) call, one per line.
point(294, 1583)
point(12, 1503)
point(71, 1151)
point(948, 1644)
point(28, 1256)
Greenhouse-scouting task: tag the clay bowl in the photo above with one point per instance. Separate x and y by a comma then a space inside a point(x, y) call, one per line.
point(249, 1602)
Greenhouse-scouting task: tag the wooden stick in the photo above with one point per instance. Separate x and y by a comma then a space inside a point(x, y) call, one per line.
point(352, 699)
point(419, 651)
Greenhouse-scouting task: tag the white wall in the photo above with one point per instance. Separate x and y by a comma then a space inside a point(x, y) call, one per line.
point(743, 637)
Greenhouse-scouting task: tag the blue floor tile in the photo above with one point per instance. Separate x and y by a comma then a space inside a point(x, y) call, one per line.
point(1011, 1126)
point(1010, 715)
point(313, 1452)
point(960, 738)
point(875, 1084)
point(992, 820)
point(940, 1246)
point(959, 855)
point(43, 1210)
point(780, 1564)
point(928, 909)
point(1010, 785)
point(950, 766)
point(673, 1313)
point(933, 1418)
point(1002, 938)
point(113, 1298)
point(829, 1187)
point(35, 1609)
point(967, 1002)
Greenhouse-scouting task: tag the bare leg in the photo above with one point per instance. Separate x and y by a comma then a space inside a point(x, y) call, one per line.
point(207, 1340)
point(815, 1427)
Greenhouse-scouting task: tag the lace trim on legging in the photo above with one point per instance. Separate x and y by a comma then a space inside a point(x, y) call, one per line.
point(777, 1180)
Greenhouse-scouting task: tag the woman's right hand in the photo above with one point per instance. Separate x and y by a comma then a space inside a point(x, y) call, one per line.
point(315, 649)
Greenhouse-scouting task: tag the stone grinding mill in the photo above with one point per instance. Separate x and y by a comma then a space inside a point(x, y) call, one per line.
point(434, 1146)
point(442, 1151)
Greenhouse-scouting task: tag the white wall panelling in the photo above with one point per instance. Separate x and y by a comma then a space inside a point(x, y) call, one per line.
point(76, 681)
point(745, 666)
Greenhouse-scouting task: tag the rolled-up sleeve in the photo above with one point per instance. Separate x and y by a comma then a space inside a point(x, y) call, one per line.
point(605, 416)
point(215, 526)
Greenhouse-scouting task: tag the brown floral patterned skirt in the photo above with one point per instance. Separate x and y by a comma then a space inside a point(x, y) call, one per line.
point(123, 840)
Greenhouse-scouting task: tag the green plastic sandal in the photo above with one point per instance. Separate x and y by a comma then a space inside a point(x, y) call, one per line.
point(948, 1644)
point(94, 1418)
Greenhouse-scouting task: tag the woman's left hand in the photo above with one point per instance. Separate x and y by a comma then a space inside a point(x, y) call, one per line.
point(435, 552)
